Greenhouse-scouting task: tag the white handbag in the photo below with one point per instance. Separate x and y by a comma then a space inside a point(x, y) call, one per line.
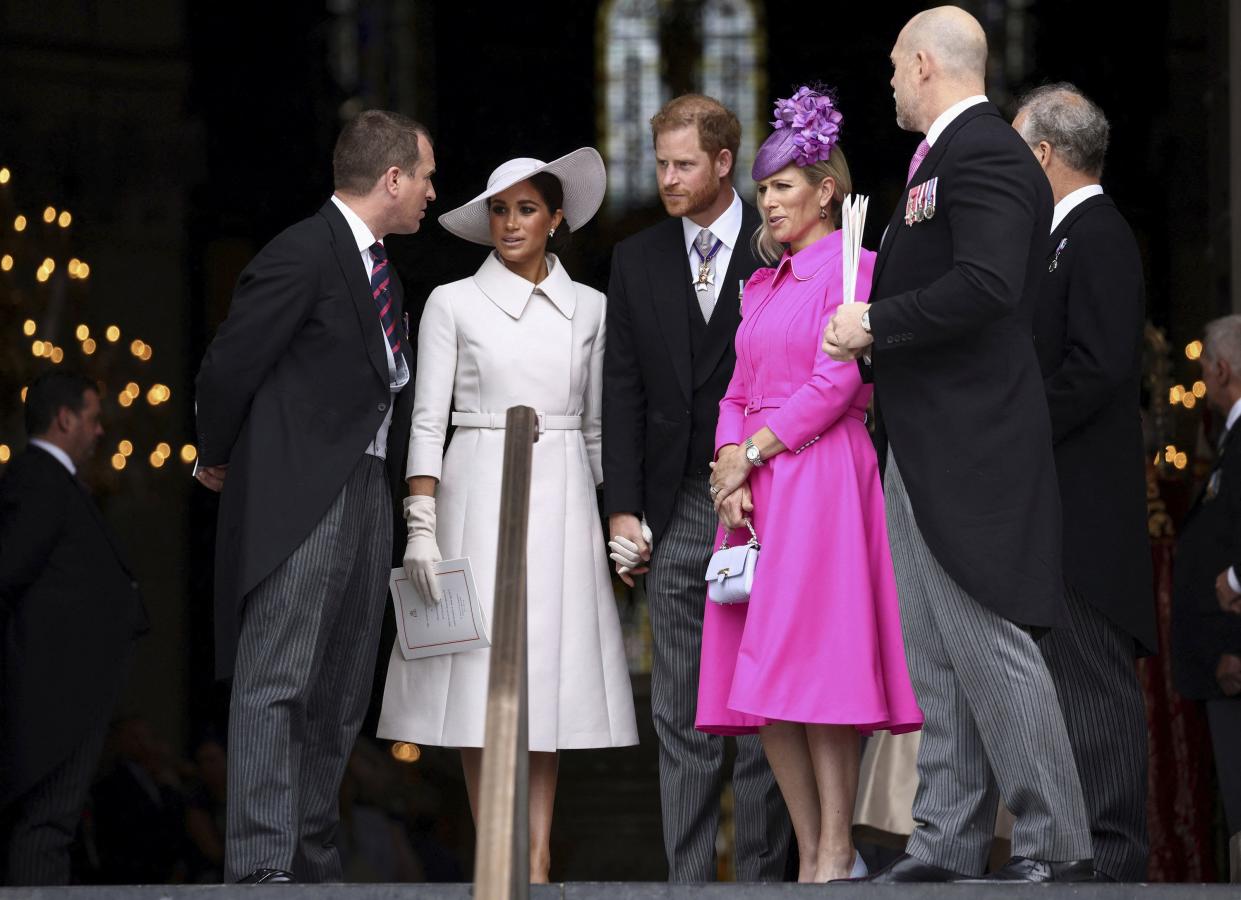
point(730, 574)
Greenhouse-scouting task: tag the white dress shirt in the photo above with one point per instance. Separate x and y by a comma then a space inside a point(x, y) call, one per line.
point(944, 119)
point(1233, 415)
point(398, 375)
point(1069, 201)
point(727, 228)
point(61, 456)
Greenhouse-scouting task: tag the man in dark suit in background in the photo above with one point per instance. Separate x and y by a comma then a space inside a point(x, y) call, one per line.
point(673, 311)
point(295, 405)
point(969, 483)
point(1088, 336)
point(1206, 617)
point(69, 613)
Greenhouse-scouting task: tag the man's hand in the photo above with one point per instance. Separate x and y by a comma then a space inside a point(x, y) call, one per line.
point(845, 338)
point(1229, 600)
point(1228, 674)
point(630, 545)
point(729, 472)
point(211, 477)
point(736, 507)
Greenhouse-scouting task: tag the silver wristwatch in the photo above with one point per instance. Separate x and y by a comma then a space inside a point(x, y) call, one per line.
point(751, 452)
point(865, 322)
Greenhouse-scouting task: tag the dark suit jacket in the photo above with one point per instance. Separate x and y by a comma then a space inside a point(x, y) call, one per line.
point(290, 394)
point(958, 393)
point(1209, 542)
point(70, 611)
point(653, 386)
point(1088, 336)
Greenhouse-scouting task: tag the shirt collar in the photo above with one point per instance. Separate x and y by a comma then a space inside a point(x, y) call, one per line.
point(1069, 201)
point(511, 292)
point(727, 227)
point(361, 234)
point(1233, 415)
point(807, 262)
point(945, 118)
point(61, 456)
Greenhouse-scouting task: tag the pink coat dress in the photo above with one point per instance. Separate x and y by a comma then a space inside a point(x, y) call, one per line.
point(820, 639)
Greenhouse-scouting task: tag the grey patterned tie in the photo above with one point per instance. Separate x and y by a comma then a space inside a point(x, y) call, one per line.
point(705, 289)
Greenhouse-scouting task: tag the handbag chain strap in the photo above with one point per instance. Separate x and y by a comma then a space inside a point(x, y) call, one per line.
point(752, 542)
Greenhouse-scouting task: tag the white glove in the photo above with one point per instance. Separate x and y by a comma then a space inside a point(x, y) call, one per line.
point(421, 550)
point(625, 553)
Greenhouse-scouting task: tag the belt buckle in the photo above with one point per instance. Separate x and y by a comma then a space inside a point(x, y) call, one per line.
point(539, 417)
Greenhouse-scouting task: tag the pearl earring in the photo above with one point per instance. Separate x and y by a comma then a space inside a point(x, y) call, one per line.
point(551, 233)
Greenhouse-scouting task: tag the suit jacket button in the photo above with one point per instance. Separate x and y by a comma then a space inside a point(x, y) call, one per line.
point(383, 407)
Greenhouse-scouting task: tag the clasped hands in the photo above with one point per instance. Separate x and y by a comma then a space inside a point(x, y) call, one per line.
point(845, 338)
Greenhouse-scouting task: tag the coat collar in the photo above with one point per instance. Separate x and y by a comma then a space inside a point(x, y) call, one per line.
point(511, 292)
point(806, 263)
point(1076, 213)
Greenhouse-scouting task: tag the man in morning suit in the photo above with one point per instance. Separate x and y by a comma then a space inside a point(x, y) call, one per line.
point(1088, 336)
point(69, 614)
point(969, 482)
point(295, 413)
point(673, 311)
point(1206, 613)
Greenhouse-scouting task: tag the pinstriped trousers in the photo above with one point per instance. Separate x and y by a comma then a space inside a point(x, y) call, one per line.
point(993, 721)
point(45, 818)
point(305, 661)
point(1091, 664)
point(691, 763)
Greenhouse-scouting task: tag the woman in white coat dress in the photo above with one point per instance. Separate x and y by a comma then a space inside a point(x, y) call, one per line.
point(518, 332)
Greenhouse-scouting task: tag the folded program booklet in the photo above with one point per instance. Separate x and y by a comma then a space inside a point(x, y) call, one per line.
point(455, 624)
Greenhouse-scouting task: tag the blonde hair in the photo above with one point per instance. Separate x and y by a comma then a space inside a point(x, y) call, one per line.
point(766, 247)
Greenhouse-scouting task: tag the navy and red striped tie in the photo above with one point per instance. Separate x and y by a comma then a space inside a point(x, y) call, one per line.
point(383, 296)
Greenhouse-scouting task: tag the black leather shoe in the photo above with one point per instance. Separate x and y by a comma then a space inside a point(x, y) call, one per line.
point(268, 876)
point(907, 869)
point(1021, 869)
point(1100, 875)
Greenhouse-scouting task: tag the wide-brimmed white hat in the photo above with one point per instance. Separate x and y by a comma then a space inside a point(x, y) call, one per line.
point(582, 177)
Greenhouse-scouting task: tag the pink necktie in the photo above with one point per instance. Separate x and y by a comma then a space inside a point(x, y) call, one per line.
point(920, 154)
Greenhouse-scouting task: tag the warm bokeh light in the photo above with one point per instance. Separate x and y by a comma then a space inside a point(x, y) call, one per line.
point(64, 219)
point(132, 389)
point(82, 332)
point(163, 449)
point(125, 448)
point(1193, 349)
point(83, 270)
point(189, 453)
point(29, 327)
point(118, 461)
point(49, 215)
point(113, 334)
point(6, 262)
point(1181, 461)
point(19, 224)
point(5, 175)
point(4, 453)
point(57, 355)
point(1176, 393)
point(1200, 389)
point(24, 394)
point(147, 352)
point(157, 461)
point(125, 400)
point(49, 264)
point(72, 267)
point(88, 346)
point(1189, 401)
point(42, 275)
point(405, 752)
point(136, 347)
point(36, 348)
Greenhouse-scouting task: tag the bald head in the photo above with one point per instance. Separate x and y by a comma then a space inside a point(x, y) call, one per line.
point(952, 39)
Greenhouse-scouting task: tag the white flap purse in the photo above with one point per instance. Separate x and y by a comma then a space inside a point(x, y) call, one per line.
point(730, 574)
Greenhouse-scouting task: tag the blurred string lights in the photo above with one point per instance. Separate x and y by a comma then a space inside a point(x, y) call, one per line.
point(32, 250)
point(1187, 398)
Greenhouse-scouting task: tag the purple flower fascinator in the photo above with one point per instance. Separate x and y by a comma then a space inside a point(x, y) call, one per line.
point(807, 128)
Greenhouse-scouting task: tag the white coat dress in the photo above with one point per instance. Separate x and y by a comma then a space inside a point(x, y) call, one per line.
point(484, 344)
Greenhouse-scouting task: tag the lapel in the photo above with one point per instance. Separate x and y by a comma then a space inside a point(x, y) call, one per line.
point(896, 223)
point(668, 276)
point(722, 329)
point(354, 275)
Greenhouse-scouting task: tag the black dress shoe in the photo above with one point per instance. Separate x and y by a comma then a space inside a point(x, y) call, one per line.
point(906, 869)
point(268, 876)
point(1021, 869)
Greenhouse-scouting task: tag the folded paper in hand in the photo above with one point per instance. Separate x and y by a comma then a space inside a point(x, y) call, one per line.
point(453, 625)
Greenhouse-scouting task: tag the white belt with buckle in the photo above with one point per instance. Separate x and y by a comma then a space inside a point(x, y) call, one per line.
point(497, 420)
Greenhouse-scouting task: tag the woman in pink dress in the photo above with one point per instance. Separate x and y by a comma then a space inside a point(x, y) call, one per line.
point(816, 655)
